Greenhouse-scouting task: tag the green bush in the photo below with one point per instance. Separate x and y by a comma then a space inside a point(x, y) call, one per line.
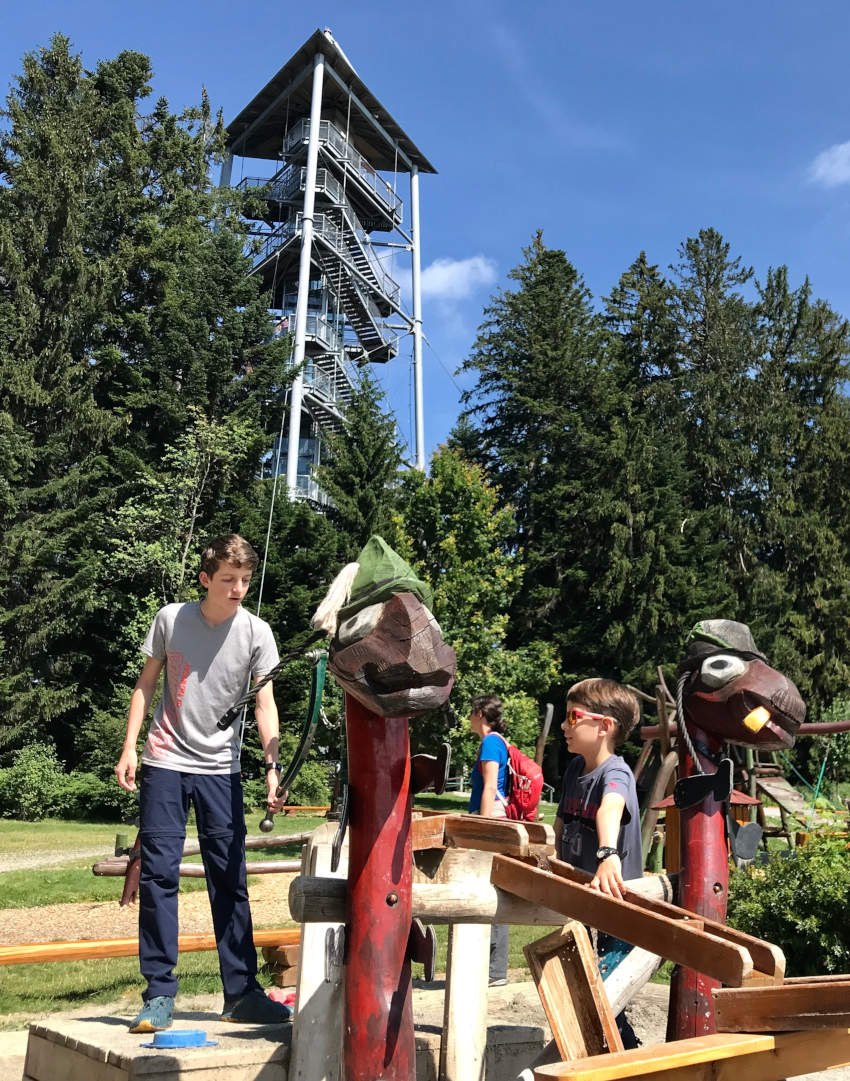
point(28, 788)
point(86, 796)
point(35, 787)
point(311, 788)
point(800, 903)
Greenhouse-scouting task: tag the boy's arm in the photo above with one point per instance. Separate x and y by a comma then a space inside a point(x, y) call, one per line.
point(559, 829)
point(609, 873)
point(140, 703)
point(265, 711)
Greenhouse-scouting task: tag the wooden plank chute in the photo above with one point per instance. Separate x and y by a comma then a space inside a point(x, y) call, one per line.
point(676, 939)
point(768, 959)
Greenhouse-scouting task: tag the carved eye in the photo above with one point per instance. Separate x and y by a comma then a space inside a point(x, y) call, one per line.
point(720, 669)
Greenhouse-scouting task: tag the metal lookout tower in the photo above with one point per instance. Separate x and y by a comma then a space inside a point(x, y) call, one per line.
point(331, 140)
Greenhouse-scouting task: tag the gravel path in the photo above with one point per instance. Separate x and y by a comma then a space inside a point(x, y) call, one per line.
point(26, 861)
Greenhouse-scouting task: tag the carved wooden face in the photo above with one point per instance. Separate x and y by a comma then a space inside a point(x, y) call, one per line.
point(741, 699)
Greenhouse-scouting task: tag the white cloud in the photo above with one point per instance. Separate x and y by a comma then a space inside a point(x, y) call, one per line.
point(457, 279)
point(832, 166)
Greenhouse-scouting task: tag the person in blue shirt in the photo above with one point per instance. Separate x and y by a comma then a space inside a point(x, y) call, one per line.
point(487, 798)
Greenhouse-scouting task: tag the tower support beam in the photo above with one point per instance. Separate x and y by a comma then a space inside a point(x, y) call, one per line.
point(297, 390)
point(416, 278)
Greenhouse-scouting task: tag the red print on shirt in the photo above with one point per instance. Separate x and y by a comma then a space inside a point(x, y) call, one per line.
point(161, 739)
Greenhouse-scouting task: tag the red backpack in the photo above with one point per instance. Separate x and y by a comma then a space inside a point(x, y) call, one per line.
point(524, 784)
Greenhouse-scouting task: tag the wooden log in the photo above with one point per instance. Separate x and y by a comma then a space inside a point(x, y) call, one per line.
point(787, 1007)
point(564, 969)
point(633, 972)
point(320, 899)
point(674, 938)
point(29, 953)
point(768, 959)
point(723, 1056)
point(117, 867)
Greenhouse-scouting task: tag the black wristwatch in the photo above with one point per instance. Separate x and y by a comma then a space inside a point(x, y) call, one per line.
point(274, 765)
point(604, 852)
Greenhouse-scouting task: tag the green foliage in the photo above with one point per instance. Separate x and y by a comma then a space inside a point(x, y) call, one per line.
point(453, 531)
point(35, 787)
point(799, 903)
point(360, 475)
point(29, 788)
point(135, 376)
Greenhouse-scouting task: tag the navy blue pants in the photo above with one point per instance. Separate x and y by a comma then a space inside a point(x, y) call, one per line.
point(217, 798)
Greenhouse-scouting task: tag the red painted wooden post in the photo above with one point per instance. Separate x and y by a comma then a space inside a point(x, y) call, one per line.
point(378, 1038)
point(703, 888)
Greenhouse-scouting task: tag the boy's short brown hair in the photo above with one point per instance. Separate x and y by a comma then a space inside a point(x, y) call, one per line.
point(609, 697)
point(230, 549)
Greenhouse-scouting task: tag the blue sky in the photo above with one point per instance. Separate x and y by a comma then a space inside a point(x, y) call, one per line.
point(615, 127)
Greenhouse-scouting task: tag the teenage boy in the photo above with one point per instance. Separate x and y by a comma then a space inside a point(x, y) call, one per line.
point(597, 827)
point(208, 651)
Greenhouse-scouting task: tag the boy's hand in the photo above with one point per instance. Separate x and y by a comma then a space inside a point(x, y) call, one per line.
point(125, 771)
point(273, 801)
point(609, 877)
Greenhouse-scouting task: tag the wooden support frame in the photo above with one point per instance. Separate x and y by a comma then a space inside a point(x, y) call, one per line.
point(564, 969)
point(720, 1057)
point(794, 1006)
point(678, 938)
point(520, 839)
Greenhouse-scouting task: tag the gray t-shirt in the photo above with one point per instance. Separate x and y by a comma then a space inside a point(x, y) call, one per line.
point(580, 800)
point(207, 669)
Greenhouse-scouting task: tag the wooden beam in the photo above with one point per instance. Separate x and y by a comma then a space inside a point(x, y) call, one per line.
point(315, 899)
point(674, 938)
point(29, 953)
point(464, 1040)
point(117, 868)
point(788, 1007)
point(723, 1056)
point(768, 959)
point(487, 834)
point(563, 966)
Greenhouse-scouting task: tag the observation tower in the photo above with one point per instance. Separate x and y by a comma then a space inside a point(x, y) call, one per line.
point(330, 221)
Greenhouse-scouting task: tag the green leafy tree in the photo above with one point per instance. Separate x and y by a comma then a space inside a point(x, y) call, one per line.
point(452, 530)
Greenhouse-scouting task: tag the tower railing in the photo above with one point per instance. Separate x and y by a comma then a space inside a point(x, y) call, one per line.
point(332, 138)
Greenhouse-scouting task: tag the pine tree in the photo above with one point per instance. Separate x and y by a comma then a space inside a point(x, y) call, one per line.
point(537, 403)
point(360, 473)
point(661, 572)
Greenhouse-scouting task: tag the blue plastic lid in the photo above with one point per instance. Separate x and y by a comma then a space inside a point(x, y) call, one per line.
point(181, 1037)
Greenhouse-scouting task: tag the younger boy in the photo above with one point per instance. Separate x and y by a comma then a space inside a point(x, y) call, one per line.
point(208, 651)
point(597, 827)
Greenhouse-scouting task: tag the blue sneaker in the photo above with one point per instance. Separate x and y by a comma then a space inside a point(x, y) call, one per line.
point(155, 1015)
point(256, 1008)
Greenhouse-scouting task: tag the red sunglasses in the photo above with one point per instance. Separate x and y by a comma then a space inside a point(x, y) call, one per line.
point(576, 715)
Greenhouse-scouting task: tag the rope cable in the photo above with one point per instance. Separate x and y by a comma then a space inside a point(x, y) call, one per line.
point(683, 728)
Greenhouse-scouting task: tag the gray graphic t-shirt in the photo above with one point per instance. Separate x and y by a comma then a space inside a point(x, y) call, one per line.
point(207, 669)
point(580, 800)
